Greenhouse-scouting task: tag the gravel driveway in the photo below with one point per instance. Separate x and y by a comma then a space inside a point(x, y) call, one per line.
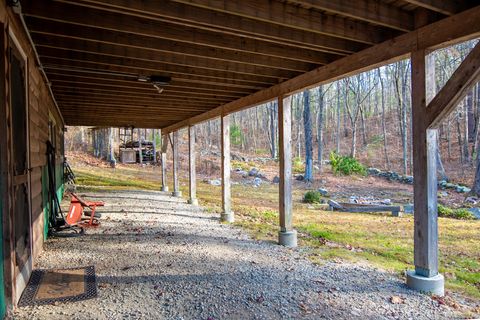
point(157, 257)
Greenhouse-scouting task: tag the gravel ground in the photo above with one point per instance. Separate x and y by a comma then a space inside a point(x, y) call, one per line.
point(157, 257)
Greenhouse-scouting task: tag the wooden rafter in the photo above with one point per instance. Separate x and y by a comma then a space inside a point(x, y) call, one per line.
point(134, 84)
point(147, 27)
point(141, 67)
point(446, 7)
point(64, 30)
point(206, 19)
point(61, 46)
point(299, 18)
point(372, 11)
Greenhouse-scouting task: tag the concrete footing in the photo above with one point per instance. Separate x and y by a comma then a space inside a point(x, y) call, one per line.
point(287, 238)
point(193, 201)
point(434, 285)
point(165, 189)
point(177, 193)
point(227, 217)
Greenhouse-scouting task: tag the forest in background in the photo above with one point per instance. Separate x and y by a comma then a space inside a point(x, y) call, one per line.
point(366, 116)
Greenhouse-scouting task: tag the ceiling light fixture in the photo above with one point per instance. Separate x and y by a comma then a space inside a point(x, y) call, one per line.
point(157, 81)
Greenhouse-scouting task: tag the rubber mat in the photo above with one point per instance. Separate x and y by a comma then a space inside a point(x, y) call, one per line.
point(59, 285)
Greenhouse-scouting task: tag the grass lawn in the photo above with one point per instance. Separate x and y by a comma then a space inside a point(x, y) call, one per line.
point(382, 241)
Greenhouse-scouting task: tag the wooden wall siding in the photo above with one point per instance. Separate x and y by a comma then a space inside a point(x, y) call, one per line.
point(222, 55)
point(40, 105)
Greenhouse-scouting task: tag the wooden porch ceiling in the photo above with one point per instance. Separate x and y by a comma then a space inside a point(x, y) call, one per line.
point(216, 52)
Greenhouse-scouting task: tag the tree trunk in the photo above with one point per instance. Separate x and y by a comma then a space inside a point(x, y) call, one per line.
point(307, 124)
point(476, 182)
point(466, 151)
point(338, 118)
point(384, 127)
point(459, 137)
point(320, 127)
point(362, 122)
point(353, 150)
point(273, 140)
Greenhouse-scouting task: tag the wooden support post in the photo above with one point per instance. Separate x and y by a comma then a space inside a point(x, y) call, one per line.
point(176, 186)
point(287, 235)
point(163, 151)
point(154, 145)
point(140, 155)
point(227, 214)
point(425, 277)
point(164, 172)
point(191, 164)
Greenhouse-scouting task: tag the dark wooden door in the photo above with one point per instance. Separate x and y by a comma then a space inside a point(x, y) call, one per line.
point(19, 151)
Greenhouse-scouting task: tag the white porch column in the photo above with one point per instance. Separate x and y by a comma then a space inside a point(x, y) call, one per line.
point(176, 186)
point(164, 149)
point(140, 155)
point(227, 214)
point(164, 172)
point(425, 277)
point(287, 236)
point(191, 163)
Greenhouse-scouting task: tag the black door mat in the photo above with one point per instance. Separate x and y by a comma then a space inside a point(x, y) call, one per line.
point(59, 285)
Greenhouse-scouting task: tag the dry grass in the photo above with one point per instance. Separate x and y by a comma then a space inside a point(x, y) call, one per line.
point(379, 240)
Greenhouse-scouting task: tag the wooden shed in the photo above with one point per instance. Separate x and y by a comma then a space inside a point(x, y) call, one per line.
point(175, 63)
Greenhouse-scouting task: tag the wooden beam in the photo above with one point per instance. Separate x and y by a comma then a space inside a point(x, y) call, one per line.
point(372, 11)
point(140, 155)
point(64, 30)
point(228, 24)
point(81, 67)
point(192, 186)
point(127, 93)
point(109, 122)
point(164, 168)
point(460, 27)
point(227, 214)
point(162, 108)
point(175, 59)
point(446, 7)
point(424, 171)
point(102, 62)
point(166, 93)
point(153, 28)
point(89, 77)
point(124, 98)
point(287, 236)
point(456, 88)
point(176, 184)
point(297, 17)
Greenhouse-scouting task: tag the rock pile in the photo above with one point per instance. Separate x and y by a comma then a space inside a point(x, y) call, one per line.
point(394, 176)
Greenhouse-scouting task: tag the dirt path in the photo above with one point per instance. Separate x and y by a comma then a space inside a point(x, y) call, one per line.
point(159, 258)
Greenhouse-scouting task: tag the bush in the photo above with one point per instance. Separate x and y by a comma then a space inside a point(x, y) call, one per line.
point(298, 165)
point(312, 197)
point(236, 135)
point(346, 165)
point(462, 213)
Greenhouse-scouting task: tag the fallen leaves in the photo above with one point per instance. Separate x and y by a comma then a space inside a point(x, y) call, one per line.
point(397, 300)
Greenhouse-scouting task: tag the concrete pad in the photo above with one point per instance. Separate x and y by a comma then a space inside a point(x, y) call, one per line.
point(193, 201)
point(177, 193)
point(434, 285)
point(288, 238)
point(227, 217)
point(165, 189)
